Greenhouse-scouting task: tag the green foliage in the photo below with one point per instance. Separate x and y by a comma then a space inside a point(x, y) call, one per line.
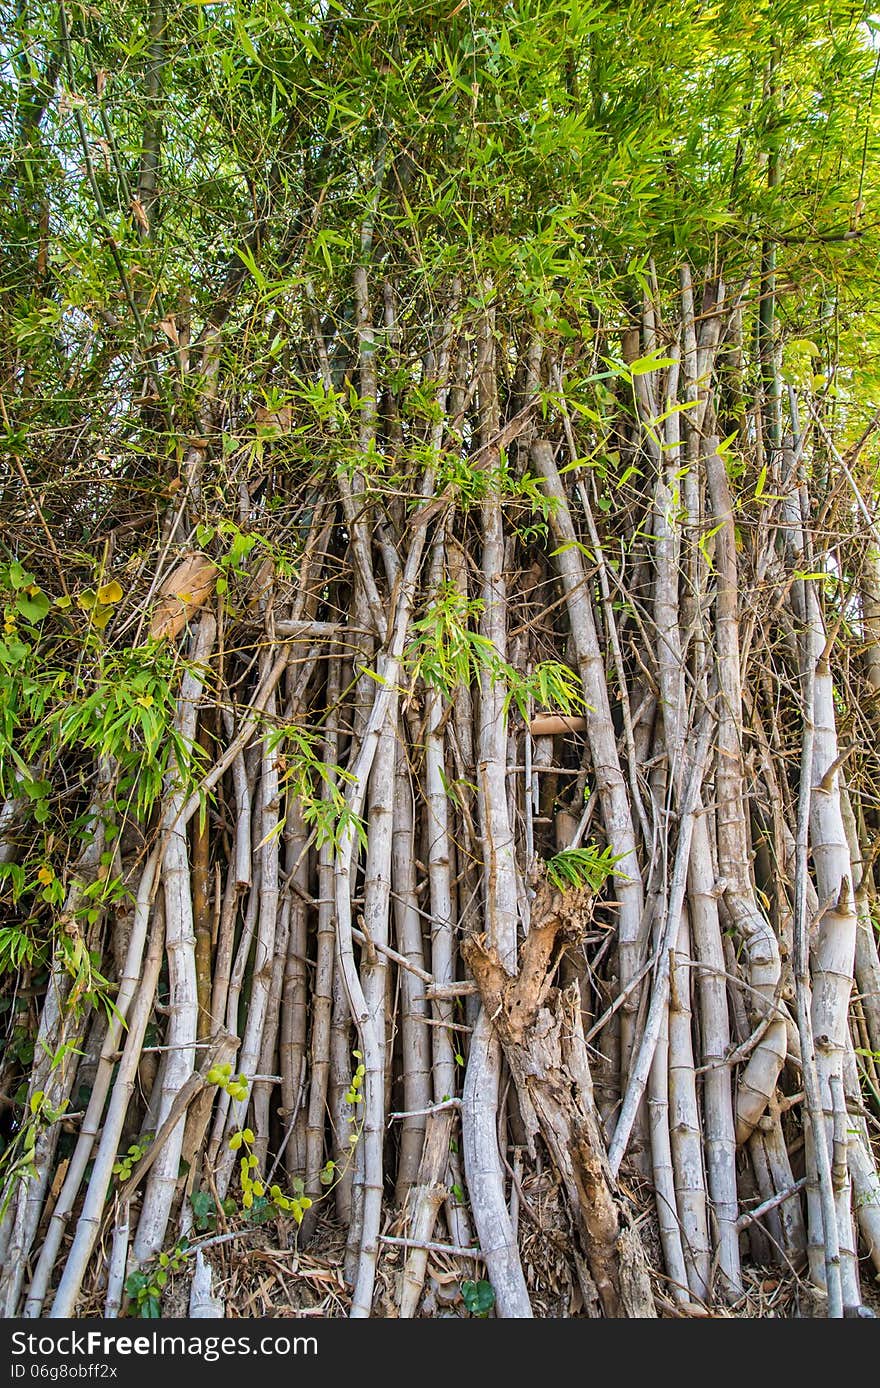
point(234, 547)
point(205, 1213)
point(65, 697)
point(478, 1297)
point(550, 685)
point(68, 701)
point(447, 653)
point(145, 1287)
point(353, 1094)
point(127, 1163)
point(122, 709)
point(204, 1208)
point(316, 785)
point(258, 1203)
point(221, 1075)
point(18, 1158)
point(581, 867)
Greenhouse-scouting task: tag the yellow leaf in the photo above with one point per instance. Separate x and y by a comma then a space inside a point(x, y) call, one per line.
point(109, 592)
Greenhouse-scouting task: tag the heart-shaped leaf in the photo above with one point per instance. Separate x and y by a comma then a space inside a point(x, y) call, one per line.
point(110, 592)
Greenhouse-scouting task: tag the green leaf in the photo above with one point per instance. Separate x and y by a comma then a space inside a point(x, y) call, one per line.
point(582, 867)
point(725, 445)
point(478, 1297)
point(33, 608)
point(135, 1283)
point(654, 362)
point(244, 39)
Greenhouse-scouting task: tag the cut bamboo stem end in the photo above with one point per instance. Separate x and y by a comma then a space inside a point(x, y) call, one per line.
point(551, 724)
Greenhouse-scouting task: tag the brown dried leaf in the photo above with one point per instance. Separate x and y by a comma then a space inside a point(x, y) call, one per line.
point(273, 423)
point(168, 326)
point(183, 593)
point(138, 211)
point(261, 584)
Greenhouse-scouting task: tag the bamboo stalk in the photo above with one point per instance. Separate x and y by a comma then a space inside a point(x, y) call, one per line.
point(202, 919)
point(180, 949)
point(823, 1229)
point(373, 1059)
point(322, 990)
point(758, 1080)
point(426, 1197)
point(616, 811)
point(416, 1041)
point(89, 1221)
point(56, 1057)
point(481, 1086)
point(294, 992)
point(264, 946)
point(718, 1116)
point(684, 1122)
point(657, 1009)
